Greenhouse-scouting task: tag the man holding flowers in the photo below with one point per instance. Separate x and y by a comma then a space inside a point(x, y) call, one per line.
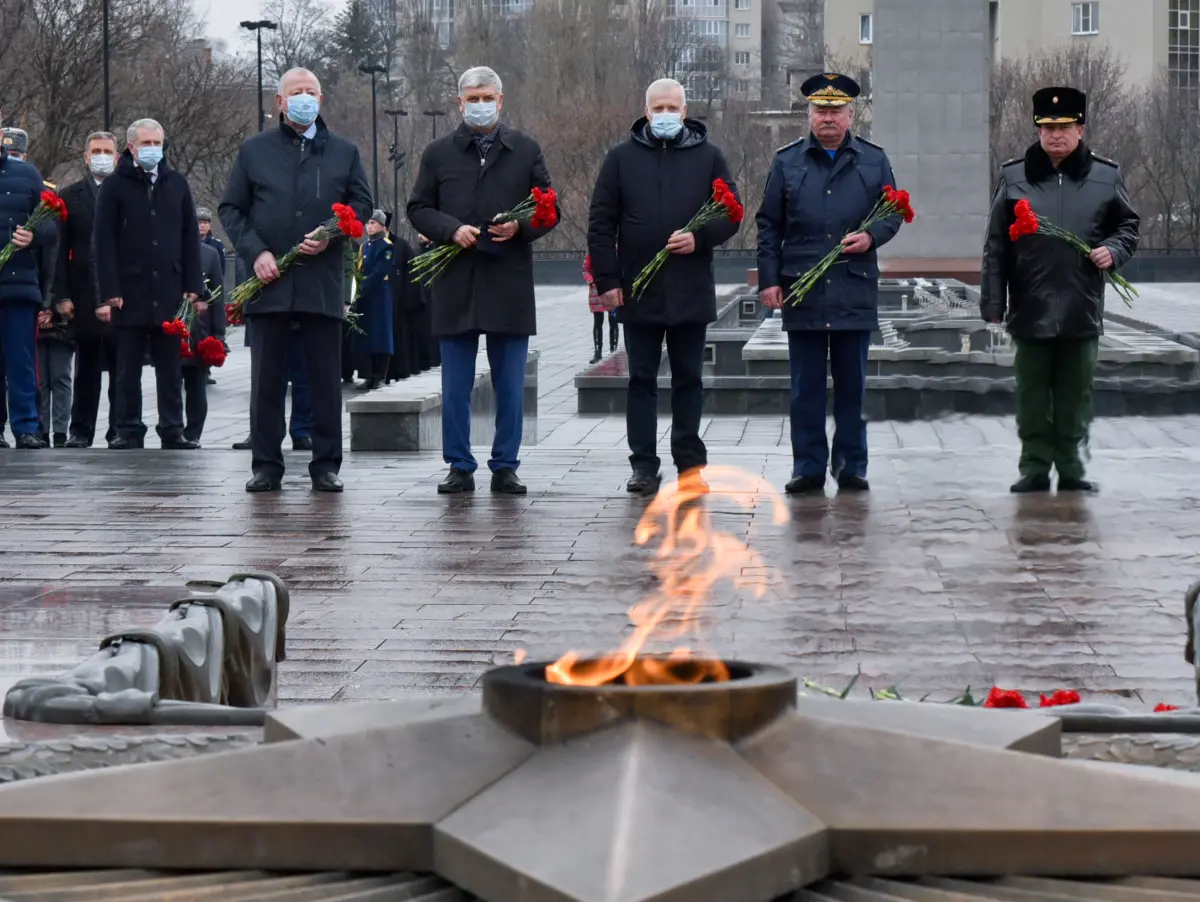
point(827, 208)
point(474, 197)
point(278, 209)
point(1061, 223)
point(663, 202)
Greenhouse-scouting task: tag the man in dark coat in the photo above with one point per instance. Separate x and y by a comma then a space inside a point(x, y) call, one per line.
point(216, 312)
point(281, 189)
point(375, 345)
point(648, 189)
point(22, 300)
point(1051, 296)
point(466, 179)
point(195, 374)
point(75, 291)
point(820, 188)
point(147, 262)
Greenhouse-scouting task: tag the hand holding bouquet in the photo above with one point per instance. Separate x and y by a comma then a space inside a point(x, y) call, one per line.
point(51, 205)
point(539, 210)
point(1029, 223)
point(893, 202)
point(344, 222)
point(722, 205)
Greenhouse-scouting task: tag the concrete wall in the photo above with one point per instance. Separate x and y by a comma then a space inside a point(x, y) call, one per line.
point(931, 90)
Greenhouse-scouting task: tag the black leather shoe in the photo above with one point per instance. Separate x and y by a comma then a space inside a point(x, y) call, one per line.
point(78, 441)
point(178, 443)
point(30, 442)
point(1077, 485)
point(326, 482)
point(124, 443)
point(505, 482)
point(211, 381)
point(301, 444)
point(60, 440)
point(263, 482)
point(1027, 484)
point(3, 442)
point(849, 483)
point(643, 483)
point(243, 445)
point(805, 485)
point(457, 482)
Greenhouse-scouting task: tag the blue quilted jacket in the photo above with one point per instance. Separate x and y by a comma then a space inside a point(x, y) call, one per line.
point(20, 193)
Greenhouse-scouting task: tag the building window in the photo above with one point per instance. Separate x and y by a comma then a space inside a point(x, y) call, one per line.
point(741, 30)
point(1085, 17)
point(741, 4)
point(1183, 43)
point(742, 86)
point(866, 28)
point(742, 57)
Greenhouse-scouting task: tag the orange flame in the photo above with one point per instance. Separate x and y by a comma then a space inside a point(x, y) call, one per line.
point(692, 557)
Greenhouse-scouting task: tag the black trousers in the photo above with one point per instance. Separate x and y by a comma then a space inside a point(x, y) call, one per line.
point(321, 337)
point(195, 393)
point(685, 351)
point(94, 356)
point(132, 345)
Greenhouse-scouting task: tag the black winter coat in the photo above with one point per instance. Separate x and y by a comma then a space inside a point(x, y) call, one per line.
point(205, 325)
point(1040, 285)
point(22, 278)
point(282, 187)
point(648, 188)
point(75, 272)
point(490, 287)
point(147, 243)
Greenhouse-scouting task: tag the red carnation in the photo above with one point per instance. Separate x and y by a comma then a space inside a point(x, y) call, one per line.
point(356, 228)
point(1005, 698)
point(1059, 697)
point(1023, 208)
point(211, 351)
point(176, 327)
point(185, 350)
point(1162, 708)
point(234, 315)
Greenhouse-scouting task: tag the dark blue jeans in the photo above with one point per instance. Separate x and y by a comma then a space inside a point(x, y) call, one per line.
point(506, 357)
point(18, 339)
point(847, 355)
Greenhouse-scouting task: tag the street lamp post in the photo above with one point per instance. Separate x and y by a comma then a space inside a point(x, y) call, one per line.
point(396, 157)
point(257, 28)
point(374, 69)
point(434, 114)
point(107, 94)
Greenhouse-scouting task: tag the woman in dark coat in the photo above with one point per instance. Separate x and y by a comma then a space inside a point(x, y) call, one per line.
point(403, 362)
point(374, 345)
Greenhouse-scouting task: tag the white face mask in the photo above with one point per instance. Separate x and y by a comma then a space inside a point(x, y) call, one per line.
point(101, 164)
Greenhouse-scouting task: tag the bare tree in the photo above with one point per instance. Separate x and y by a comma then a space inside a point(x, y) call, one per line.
point(301, 39)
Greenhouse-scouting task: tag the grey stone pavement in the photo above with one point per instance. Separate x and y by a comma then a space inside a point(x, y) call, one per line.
point(938, 580)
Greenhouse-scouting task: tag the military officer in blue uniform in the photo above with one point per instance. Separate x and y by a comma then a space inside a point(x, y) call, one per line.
point(374, 303)
point(820, 189)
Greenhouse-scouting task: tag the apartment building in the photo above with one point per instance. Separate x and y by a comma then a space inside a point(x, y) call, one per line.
point(1150, 35)
point(739, 49)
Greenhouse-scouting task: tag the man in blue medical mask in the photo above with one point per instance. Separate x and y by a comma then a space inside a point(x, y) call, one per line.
point(147, 263)
point(283, 185)
point(483, 168)
point(648, 189)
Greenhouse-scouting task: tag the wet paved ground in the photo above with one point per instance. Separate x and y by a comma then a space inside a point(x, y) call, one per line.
point(938, 580)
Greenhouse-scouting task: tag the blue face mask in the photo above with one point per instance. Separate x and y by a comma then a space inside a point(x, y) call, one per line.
point(303, 108)
point(666, 125)
point(149, 156)
point(481, 115)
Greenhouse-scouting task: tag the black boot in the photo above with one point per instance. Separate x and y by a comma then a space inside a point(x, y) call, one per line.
point(597, 342)
point(613, 333)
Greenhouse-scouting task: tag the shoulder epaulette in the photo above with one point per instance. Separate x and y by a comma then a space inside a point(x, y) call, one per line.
point(1013, 160)
point(1096, 156)
point(54, 187)
point(789, 144)
point(869, 143)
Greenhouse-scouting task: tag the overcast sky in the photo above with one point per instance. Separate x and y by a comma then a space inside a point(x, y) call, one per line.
point(223, 17)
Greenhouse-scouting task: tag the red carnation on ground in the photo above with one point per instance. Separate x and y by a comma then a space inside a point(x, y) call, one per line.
point(1005, 698)
point(1059, 697)
point(1162, 708)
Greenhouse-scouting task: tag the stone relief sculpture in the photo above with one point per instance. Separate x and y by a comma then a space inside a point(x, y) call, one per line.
point(210, 661)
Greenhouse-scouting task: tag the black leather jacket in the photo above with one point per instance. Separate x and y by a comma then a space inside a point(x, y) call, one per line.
point(1041, 286)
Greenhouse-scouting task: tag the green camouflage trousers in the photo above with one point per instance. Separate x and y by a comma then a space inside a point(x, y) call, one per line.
point(1054, 403)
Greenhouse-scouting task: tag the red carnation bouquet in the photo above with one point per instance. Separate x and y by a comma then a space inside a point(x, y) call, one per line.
point(893, 202)
point(211, 351)
point(344, 222)
point(539, 210)
point(1029, 223)
point(722, 205)
point(50, 205)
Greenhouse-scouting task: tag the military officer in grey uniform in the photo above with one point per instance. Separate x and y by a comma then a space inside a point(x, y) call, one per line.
point(820, 190)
